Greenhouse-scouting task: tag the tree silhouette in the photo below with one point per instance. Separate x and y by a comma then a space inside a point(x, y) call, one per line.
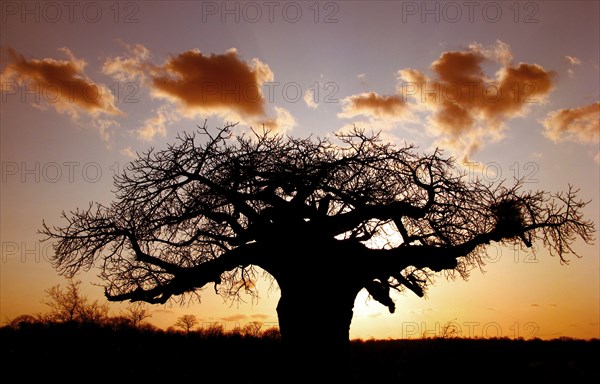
point(23, 321)
point(325, 217)
point(186, 322)
point(214, 330)
point(70, 305)
point(136, 313)
point(252, 329)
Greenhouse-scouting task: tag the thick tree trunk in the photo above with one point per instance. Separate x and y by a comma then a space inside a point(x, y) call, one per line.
point(319, 281)
point(314, 320)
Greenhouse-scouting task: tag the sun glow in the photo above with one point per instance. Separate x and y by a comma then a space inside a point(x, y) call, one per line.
point(366, 306)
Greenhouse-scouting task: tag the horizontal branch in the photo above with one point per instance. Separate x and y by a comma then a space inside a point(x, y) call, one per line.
point(192, 278)
point(341, 223)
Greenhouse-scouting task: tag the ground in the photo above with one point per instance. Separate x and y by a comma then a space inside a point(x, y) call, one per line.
point(74, 354)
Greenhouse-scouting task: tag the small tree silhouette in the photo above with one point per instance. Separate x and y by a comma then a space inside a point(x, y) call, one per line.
point(213, 330)
point(23, 321)
point(69, 305)
point(271, 333)
point(449, 330)
point(252, 329)
point(187, 323)
point(136, 313)
point(325, 219)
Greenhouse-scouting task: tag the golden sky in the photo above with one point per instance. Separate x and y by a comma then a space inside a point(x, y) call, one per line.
point(510, 89)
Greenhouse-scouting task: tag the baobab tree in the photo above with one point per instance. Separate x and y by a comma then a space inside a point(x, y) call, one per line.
point(325, 218)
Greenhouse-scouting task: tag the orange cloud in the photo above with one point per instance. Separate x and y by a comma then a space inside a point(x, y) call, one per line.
point(213, 84)
point(372, 104)
point(459, 67)
point(465, 107)
point(157, 125)
point(283, 122)
point(576, 124)
point(517, 87)
point(468, 107)
point(129, 68)
point(309, 99)
point(61, 83)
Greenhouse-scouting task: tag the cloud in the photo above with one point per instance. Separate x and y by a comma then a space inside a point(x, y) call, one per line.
point(203, 84)
point(373, 105)
point(464, 107)
point(157, 125)
point(387, 115)
point(105, 128)
point(153, 126)
point(467, 107)
point(129, 152)
point(165, 311)
point(237, 317)
point(133, 68)
point(362, 79)
point(60, 83)
point(198, 83)
point(420, 311)
point(214, 82)
point(499, 52)
point(580, 125)
point(283, 122)
point(572, 61)
point(309, 98)
point(260, 316)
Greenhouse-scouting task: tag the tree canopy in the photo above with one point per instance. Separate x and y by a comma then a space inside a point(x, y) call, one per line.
point(351, 209)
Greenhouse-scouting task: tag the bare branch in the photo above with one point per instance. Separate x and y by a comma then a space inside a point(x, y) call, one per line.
point(213, 205)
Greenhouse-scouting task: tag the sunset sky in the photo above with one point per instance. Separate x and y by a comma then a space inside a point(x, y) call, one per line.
point(85, 85)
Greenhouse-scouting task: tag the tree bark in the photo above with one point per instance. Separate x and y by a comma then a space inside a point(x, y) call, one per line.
point(319, 280)
point(314, 321)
